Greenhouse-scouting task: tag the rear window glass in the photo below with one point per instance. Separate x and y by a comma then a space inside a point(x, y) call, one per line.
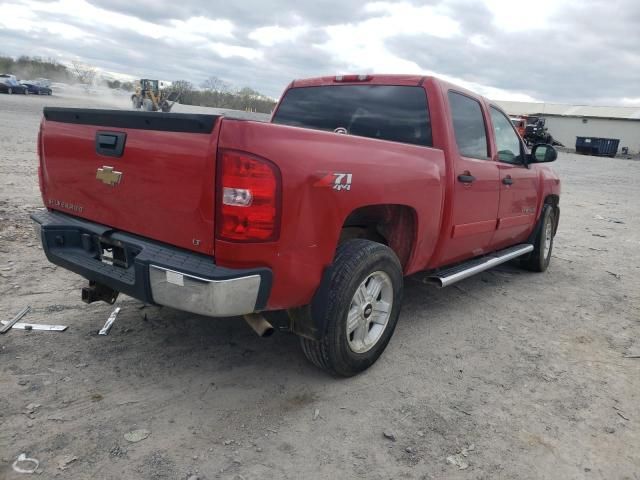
point(468, 125)
point(385, 112)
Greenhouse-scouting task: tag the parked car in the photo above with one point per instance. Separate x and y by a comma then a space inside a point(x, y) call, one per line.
point(356, 182)
point(37, 89)
point(43, 82)
point(10, 85)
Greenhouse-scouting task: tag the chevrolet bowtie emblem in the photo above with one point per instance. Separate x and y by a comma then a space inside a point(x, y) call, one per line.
point(108, 176)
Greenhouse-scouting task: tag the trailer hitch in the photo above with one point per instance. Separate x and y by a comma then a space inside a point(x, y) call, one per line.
point(96, 291)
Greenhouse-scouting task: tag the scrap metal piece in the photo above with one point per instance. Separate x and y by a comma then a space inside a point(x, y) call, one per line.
point(38, 326)
point(7, 325)
point(24, 464)
point(109, 323)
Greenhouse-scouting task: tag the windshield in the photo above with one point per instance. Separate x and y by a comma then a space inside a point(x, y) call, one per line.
point(384, 112)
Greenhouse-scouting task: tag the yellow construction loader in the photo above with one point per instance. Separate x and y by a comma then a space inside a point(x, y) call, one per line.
point(153, 96)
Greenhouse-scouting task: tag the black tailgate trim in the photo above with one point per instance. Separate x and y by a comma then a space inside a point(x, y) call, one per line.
point(166, 122)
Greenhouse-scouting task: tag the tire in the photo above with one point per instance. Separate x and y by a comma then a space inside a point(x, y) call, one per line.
point(539, 259)
point(10, 90)
point(365, 281)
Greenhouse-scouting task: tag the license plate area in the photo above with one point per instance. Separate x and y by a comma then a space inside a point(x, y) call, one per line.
point(114, 253)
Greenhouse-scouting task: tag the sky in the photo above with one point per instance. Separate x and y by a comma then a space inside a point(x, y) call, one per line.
point(563, 51)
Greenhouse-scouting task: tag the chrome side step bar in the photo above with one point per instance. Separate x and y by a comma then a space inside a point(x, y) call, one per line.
point(452, 275)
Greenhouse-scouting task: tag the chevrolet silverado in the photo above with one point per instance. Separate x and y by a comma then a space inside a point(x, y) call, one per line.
point(356, 182)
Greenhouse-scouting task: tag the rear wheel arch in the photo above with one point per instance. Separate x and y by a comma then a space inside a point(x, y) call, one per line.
point(394, 225)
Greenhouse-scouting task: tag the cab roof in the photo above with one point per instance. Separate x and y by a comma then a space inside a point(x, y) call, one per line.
point(373, 79)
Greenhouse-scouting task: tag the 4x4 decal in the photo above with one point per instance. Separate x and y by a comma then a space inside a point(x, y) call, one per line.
point(336, 180)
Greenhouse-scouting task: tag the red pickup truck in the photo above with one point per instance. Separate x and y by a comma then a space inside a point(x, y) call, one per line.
point(355, 182)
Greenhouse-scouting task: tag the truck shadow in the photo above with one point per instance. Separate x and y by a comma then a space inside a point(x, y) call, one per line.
point(166, 356)
point(185, 341)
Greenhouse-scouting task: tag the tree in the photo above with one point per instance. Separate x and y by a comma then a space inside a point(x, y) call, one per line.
point(215, 84)
point(114, 84)
point(182, 86)
point(182, 91)
point(249, 92)
point(128, 86)
point(83, 72)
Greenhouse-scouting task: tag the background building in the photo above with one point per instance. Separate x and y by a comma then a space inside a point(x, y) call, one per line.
point(566, 122)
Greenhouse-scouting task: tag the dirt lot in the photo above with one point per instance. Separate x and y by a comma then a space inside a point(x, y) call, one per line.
point(527, 374)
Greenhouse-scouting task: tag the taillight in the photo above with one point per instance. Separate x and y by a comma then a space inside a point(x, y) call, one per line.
point(248, 198)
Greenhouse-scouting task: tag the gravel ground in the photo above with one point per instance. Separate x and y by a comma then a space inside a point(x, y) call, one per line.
point(509, 374)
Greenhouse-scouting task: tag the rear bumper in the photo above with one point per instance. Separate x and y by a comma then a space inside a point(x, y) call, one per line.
point(151, 271)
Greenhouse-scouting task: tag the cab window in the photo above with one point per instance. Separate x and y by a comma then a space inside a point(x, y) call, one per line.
point(507, 140)
point(468, 126)
point(385, 112)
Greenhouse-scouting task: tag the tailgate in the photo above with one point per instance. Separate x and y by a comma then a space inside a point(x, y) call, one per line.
point(147, 173)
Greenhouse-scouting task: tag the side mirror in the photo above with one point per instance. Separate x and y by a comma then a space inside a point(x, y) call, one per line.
point(542, 153)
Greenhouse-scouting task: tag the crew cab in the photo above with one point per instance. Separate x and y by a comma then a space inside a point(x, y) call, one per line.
point(356, 182)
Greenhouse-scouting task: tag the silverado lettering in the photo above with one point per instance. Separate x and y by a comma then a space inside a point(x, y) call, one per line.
point(220, 216)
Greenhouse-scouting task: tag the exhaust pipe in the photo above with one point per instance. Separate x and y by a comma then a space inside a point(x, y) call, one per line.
point(259, 324)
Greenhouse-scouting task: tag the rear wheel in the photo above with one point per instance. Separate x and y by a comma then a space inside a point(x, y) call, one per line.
point(539, 259)
point(365, 292)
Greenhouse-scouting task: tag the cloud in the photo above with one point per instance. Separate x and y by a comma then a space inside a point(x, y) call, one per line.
point(574, 58)
point(582, 51)
point(273, 34)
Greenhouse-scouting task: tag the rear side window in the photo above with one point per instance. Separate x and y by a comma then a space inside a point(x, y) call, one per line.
point(385, 112)
point(469, 126)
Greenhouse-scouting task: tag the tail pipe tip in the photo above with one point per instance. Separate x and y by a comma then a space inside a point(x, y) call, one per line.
point(259, 324)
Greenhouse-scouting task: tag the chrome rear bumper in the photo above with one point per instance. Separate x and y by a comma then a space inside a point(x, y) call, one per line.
point(215, 298)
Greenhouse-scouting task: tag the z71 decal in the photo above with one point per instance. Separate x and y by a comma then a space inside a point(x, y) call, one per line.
point(336, 180)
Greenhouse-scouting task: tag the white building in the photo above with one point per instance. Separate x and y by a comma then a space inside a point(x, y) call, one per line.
point(566, 122)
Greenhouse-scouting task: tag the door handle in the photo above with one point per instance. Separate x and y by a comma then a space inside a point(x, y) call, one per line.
point(507, 181)
point(466, 177)
point(110, 144)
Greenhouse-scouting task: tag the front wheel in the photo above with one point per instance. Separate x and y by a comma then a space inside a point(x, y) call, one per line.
point(539, 259)
point(10, 90)
point(361, 311)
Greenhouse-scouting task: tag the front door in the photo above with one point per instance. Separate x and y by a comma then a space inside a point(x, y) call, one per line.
point(476, 190)
point(518, 185)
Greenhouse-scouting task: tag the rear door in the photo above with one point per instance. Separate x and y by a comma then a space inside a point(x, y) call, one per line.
point(518, 185)
point(147, 173)
point(476, 184)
